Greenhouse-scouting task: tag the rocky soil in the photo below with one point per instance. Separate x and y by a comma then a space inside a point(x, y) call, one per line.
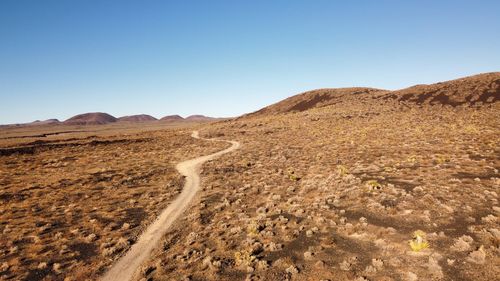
point(334, 184)
point(70, 207)
point(346, 192)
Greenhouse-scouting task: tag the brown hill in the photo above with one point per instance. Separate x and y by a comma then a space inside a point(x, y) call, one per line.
point(199, 118)
point(137, 118)
point(44, 122)
point(172, 118)
point(314, 99)
point(34, 123)
point(468, 91)
point(474, 90)
point(94, 118)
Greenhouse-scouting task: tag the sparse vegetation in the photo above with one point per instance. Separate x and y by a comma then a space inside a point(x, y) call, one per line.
point(244, 257)
point(373, 185)
point(436, 169)
point(418, 242)
point(292, 176)
point(84, 197)
point(342, 170)
point(327, 225)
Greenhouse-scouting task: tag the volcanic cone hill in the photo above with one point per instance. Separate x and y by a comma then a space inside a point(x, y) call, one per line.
point(137, 118)
point(199, 118)
point(172, 118)
point(94, 118)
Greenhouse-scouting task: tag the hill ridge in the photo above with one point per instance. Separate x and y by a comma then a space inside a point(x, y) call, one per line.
point(472, 90)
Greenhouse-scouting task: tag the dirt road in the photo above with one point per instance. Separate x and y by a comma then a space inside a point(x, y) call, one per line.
point(127, 266)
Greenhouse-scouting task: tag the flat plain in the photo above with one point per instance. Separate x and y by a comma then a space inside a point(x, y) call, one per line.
point(76, 199)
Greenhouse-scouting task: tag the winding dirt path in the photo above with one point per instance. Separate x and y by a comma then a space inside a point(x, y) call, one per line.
point(127, 266)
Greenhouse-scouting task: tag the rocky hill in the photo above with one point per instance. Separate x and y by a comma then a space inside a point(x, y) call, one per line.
point(468, 91)
point(474, 90)
point(314, 99)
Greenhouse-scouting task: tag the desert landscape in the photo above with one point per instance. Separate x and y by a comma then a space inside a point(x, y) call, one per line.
point(75, 199)
point(330, 184)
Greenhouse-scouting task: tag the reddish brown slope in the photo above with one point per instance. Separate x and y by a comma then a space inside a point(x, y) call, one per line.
point(94, 118)
point(137, 118)
point(468, 91)
point(199, 118)
point(474, 90)
point(314, 99)
point(45, 122)
point(172, 118)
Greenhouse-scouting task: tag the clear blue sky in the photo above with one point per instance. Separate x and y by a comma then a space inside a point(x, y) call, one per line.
point(225, 58)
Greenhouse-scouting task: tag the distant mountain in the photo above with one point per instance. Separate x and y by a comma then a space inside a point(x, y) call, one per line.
point(199, 118)
point(94, 118)
point(192, 118)
point(99, 118)
point(172, 118)
point(45, 122)
point(137, 118)
point(34, 123)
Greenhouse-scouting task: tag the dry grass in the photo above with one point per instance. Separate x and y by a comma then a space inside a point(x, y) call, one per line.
point(337, 193)
point(72, 203)
point(377, 186)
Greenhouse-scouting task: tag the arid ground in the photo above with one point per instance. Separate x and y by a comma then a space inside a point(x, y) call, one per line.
point(73, 202)
point(332, 184)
